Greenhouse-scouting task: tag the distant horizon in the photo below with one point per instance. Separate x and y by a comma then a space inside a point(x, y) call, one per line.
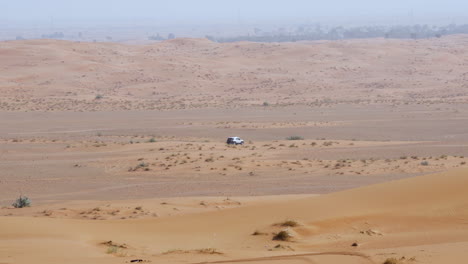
point(140, 19)
point(55, 23)
point(233, 12)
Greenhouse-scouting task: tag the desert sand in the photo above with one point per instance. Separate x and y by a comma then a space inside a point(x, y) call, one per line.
point(420, 220)
point(121, 149)
point(52, 75)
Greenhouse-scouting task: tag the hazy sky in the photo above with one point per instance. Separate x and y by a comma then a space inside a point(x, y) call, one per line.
point(211, 10)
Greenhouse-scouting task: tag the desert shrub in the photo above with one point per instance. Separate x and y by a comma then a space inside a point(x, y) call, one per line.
point(391, 261)
point(99, 96)
point(425, 163)
point(152, 140)
point(295, 138)
point(266, 104)
point(22, 202)
point(282, 236)
point(143, 165)
point(112, 250)
point(289, 223)
point(210, 251)
point(258, 233)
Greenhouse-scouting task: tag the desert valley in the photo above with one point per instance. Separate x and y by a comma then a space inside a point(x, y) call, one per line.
point(355, 151)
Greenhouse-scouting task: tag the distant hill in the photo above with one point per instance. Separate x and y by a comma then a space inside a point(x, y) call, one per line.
point(55, 75)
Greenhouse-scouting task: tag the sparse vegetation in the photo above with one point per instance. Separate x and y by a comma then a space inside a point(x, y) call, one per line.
point(208, 251)
point(156, 37)
point(294, 138)
point(115, 249)
point(312, 32)
point(99, 96)
point(142, 165)
point(22, 202)
point(55, 35)
point(289, 223)
point(258, 233)
point(282, 236)
point(391, 261)
point(112, 250)
point(425, 163)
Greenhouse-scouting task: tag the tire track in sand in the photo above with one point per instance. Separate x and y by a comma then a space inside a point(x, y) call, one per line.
point(297, 257)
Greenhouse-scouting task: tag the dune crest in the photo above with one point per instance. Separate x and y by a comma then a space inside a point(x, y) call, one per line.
point(397, 215)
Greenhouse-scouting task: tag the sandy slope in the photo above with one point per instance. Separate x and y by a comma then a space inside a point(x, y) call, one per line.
point(370, 111)
point(423, 218)
point(50, 75)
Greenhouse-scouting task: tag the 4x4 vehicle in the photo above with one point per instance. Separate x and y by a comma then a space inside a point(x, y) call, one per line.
point(235, 141)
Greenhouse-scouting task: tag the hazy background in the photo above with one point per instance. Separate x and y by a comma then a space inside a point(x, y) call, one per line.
point(198, 18)
point(226, 11)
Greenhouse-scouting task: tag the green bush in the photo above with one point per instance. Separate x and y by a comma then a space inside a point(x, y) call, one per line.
point(22, 202)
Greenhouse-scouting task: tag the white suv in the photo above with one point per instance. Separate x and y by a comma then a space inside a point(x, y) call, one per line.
point(235, 141)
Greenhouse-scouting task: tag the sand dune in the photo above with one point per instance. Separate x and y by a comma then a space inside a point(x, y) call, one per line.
point(51, 75)
point(122, 150)
point(407, 218)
